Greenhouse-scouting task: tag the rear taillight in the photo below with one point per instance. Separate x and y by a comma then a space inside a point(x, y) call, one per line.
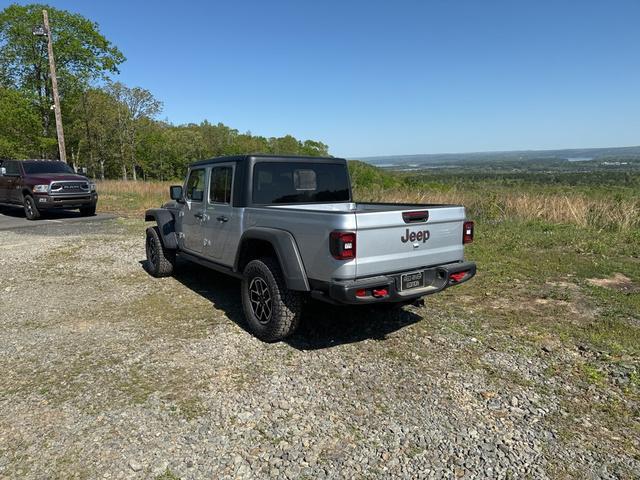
point(343, 245)
point(467, 232)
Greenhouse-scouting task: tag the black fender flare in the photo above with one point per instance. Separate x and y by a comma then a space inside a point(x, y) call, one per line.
point(287, 251)
point(166, 224)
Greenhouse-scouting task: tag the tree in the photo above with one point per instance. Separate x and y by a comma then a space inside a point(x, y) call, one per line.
point(287, 145)
point(94, 132)
point(314, 149)
point(19, 127)
point(134, 104)
point(82, 54)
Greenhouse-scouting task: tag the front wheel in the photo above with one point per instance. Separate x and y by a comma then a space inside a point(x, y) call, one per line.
point(30, 208)
point(89, 211)
point(271, 309)
point(160, 261)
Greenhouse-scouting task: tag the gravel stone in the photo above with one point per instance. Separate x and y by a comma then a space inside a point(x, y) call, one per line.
point(135, 465)
point(110, 373)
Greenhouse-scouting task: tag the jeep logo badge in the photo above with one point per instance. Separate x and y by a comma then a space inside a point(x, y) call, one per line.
point(421, 236)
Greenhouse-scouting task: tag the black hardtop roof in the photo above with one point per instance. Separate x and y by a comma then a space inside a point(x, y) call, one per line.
point(236, 158)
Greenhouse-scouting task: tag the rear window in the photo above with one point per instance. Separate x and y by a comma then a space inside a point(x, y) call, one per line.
point(220, 185)
point(31, 168)
point(289, 182)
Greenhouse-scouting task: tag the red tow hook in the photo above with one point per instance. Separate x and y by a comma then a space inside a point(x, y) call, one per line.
point(456, 277)
point(380, 292)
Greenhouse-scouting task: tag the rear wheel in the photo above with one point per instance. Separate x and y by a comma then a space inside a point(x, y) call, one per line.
point(30, 208)
point(89, 211)
point(271, 309)
point(160, 261)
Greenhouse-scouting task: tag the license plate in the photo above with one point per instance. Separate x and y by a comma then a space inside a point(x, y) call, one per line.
point(412, 280)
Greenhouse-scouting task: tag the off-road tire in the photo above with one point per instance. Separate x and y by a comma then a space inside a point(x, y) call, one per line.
point(30, 208)
point(160, 261)
point(286, 305)
point(88, 211)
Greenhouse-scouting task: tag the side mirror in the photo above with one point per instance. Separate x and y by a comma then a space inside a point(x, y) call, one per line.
point(175, 192)
point(3, 171)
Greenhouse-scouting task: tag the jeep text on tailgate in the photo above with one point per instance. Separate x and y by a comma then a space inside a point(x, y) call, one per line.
point(288, 227)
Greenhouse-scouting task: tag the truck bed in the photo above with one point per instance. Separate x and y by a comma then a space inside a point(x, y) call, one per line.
point(386, 243)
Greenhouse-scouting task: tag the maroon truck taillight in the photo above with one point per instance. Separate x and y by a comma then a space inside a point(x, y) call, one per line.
point(467, 232)
point(343, 245)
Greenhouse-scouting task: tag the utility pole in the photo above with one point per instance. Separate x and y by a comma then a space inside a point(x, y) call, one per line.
point(54, 88)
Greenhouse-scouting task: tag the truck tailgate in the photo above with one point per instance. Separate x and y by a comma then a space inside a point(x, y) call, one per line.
point(386, 243)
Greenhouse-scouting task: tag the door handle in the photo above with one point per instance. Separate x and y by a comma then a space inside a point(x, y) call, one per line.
point(222, 219)
point(199, 216)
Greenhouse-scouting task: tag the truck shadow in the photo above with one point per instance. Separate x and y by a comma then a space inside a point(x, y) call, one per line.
point(322, 326)
point(18, 212)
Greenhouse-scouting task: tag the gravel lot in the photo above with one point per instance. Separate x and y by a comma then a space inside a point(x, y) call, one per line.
point(109, 373)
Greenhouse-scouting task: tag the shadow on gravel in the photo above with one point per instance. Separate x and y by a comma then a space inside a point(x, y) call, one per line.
point(18, 212)
point(325, 325)
point(322, 326)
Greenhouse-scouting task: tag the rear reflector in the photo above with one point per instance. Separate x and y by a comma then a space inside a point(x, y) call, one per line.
point(467, 232)
point(361, 293)
point(380, 292)
point(343, 245)
point(456, 277)
point(415, 217)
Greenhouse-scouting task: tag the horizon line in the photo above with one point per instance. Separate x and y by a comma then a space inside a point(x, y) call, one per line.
point(489, 152)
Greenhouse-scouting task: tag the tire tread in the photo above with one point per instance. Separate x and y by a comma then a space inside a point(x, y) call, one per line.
point(286, 304)
point(36, 213)
point(165, 265)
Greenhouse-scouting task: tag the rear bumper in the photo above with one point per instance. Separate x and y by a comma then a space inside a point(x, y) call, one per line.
point(46, 202)
point(436, 279)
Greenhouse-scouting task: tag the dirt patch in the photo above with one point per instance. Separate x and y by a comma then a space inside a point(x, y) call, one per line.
point(618, 281)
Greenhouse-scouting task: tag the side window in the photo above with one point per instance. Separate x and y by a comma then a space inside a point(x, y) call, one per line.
point(12, 167)
point(195, 185)
point(221, 181)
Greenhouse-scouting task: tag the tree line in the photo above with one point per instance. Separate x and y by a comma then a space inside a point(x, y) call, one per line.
point(111, 129)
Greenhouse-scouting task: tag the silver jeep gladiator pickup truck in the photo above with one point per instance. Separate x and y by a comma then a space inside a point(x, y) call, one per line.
point(289, 228)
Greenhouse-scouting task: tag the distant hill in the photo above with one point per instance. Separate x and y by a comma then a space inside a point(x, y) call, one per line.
point(439, 159)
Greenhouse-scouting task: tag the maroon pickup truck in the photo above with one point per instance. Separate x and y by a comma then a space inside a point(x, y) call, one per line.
point(40, 185)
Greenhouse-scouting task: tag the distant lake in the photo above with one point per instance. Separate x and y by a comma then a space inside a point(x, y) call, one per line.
point(580, 159)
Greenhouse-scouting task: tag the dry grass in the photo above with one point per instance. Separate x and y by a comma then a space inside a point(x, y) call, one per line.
point(574, 208)
point(133, 198)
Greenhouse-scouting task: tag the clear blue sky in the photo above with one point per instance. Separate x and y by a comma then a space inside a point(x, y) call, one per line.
point(382, 77)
